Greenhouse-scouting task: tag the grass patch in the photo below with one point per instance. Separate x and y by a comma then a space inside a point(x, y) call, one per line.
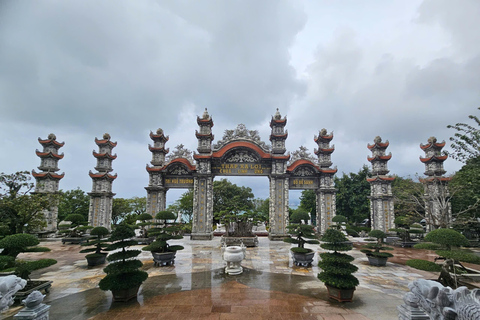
point(424, 265)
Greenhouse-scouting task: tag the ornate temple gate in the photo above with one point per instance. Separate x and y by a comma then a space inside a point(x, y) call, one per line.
point(242, 153)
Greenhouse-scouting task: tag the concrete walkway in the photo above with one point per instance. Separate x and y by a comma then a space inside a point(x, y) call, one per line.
point(196, 287)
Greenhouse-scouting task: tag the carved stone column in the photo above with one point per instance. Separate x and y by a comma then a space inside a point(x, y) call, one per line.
point(278, 207)
point(156, 192)
point(326, 193)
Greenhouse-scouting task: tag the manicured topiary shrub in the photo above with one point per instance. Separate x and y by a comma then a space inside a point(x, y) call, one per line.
point(339, 221)
point(15, 244)
point(164, 231)
point(122, 272)
point(424, 265)
point(145, 219)
point(337, 270)
point(447, 238)
point(98, 244)
point(373, 249)
point(459, 255)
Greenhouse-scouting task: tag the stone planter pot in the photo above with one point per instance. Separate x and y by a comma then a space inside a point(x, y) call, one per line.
point(303, 259)
point(96, 260)
point(163, 259)
point(233, 256)
point(341, 295)
point(237, 241)
point(125, 294)
point(377, 261)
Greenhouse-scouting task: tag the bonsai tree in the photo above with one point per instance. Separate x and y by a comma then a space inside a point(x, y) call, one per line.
point(339, 221)
point(98, 244)
point(164, 253)
point(15, 244)
point(239, 223)
point(123, 277)
point(405, 227)
point(372, 250)
point(300, 234)
point(145, 221)
point(77, 226)
point(446, 243)
point(337, 270)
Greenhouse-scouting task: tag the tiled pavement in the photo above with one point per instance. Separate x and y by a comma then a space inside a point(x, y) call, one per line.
point(197, 288)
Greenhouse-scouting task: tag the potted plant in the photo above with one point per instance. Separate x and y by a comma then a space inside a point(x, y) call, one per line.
point(96, 256)
point(300, 234)
point(12, 246)
point(164, 230)
point(123, 277)
point(75, 230)
point(239, 226)
point(145, 221)
point(337, 270)
point(405, 227)
point(372, 250)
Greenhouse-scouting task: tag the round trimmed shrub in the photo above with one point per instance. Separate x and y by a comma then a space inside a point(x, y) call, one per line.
point(447, 238)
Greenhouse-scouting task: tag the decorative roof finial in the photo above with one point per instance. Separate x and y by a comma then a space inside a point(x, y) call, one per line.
point(277, 115)
point(377, 139)
point(432, 140)
point(159, 131)
point(205, 114)
point(51, 136)
point(106, 136)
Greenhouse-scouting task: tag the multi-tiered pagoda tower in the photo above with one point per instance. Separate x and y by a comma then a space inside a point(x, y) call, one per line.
point(101, 197)
point(326, 194)
point(47, 181)
point(278, 179)
point(381, 197)
point(203, 181)
point(438, 211)
point(156, 191)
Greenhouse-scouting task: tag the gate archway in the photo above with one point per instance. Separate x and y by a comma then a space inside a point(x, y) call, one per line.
point(241, 152)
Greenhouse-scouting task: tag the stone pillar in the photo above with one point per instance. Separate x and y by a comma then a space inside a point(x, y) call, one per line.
point(203, 181)
point(326, 193)
point(156, 192)
point(438, 211)
point(101, 197)
point(47, 181)
point(382, 214)
point(202, 208)
point(279, 185)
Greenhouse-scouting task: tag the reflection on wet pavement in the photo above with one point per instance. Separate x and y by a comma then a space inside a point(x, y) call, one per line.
point(196, 287)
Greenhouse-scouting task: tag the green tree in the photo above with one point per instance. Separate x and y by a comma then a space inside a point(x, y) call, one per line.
point(408, 198)
point(352, 195)
point(466, 140)
point(120, 209)
point(183, 206)
point(20, 210)
point(228, 196)
point(308, 202)
point(466, 182)
point(73, 201)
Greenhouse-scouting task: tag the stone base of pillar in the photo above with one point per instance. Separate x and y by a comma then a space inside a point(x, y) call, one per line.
point(411, 313)
point(40, 312)
point(201, 236)
point(277, 237)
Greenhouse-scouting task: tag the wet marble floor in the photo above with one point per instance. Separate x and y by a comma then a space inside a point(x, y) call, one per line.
point(196, 287)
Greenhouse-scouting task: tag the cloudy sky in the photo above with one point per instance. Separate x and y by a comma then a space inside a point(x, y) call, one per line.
point(403, 70)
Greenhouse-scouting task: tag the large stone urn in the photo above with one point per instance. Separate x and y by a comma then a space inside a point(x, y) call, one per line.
point(233, 256)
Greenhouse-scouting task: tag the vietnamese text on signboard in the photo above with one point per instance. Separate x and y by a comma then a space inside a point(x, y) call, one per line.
point(303, 183)
point(179, 182)
point(239, 169)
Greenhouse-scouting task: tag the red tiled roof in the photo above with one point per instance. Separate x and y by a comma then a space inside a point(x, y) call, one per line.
point(384, 178)
point(205, 121)
point(105, 175)
point(244, 144)
point(183, 161)
point(428, 145)
point(300, 162)
point(165, 151)
point(434, 158)
point(327, 151)
point(276, 121)
point(328, 138)
point(104, 155)
point(50, 175)
point(430, 179)
point(49, 154)
point(105, 141)
point(384, 158)
point(51, 141)
point(381, 145)
point(161, 136)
